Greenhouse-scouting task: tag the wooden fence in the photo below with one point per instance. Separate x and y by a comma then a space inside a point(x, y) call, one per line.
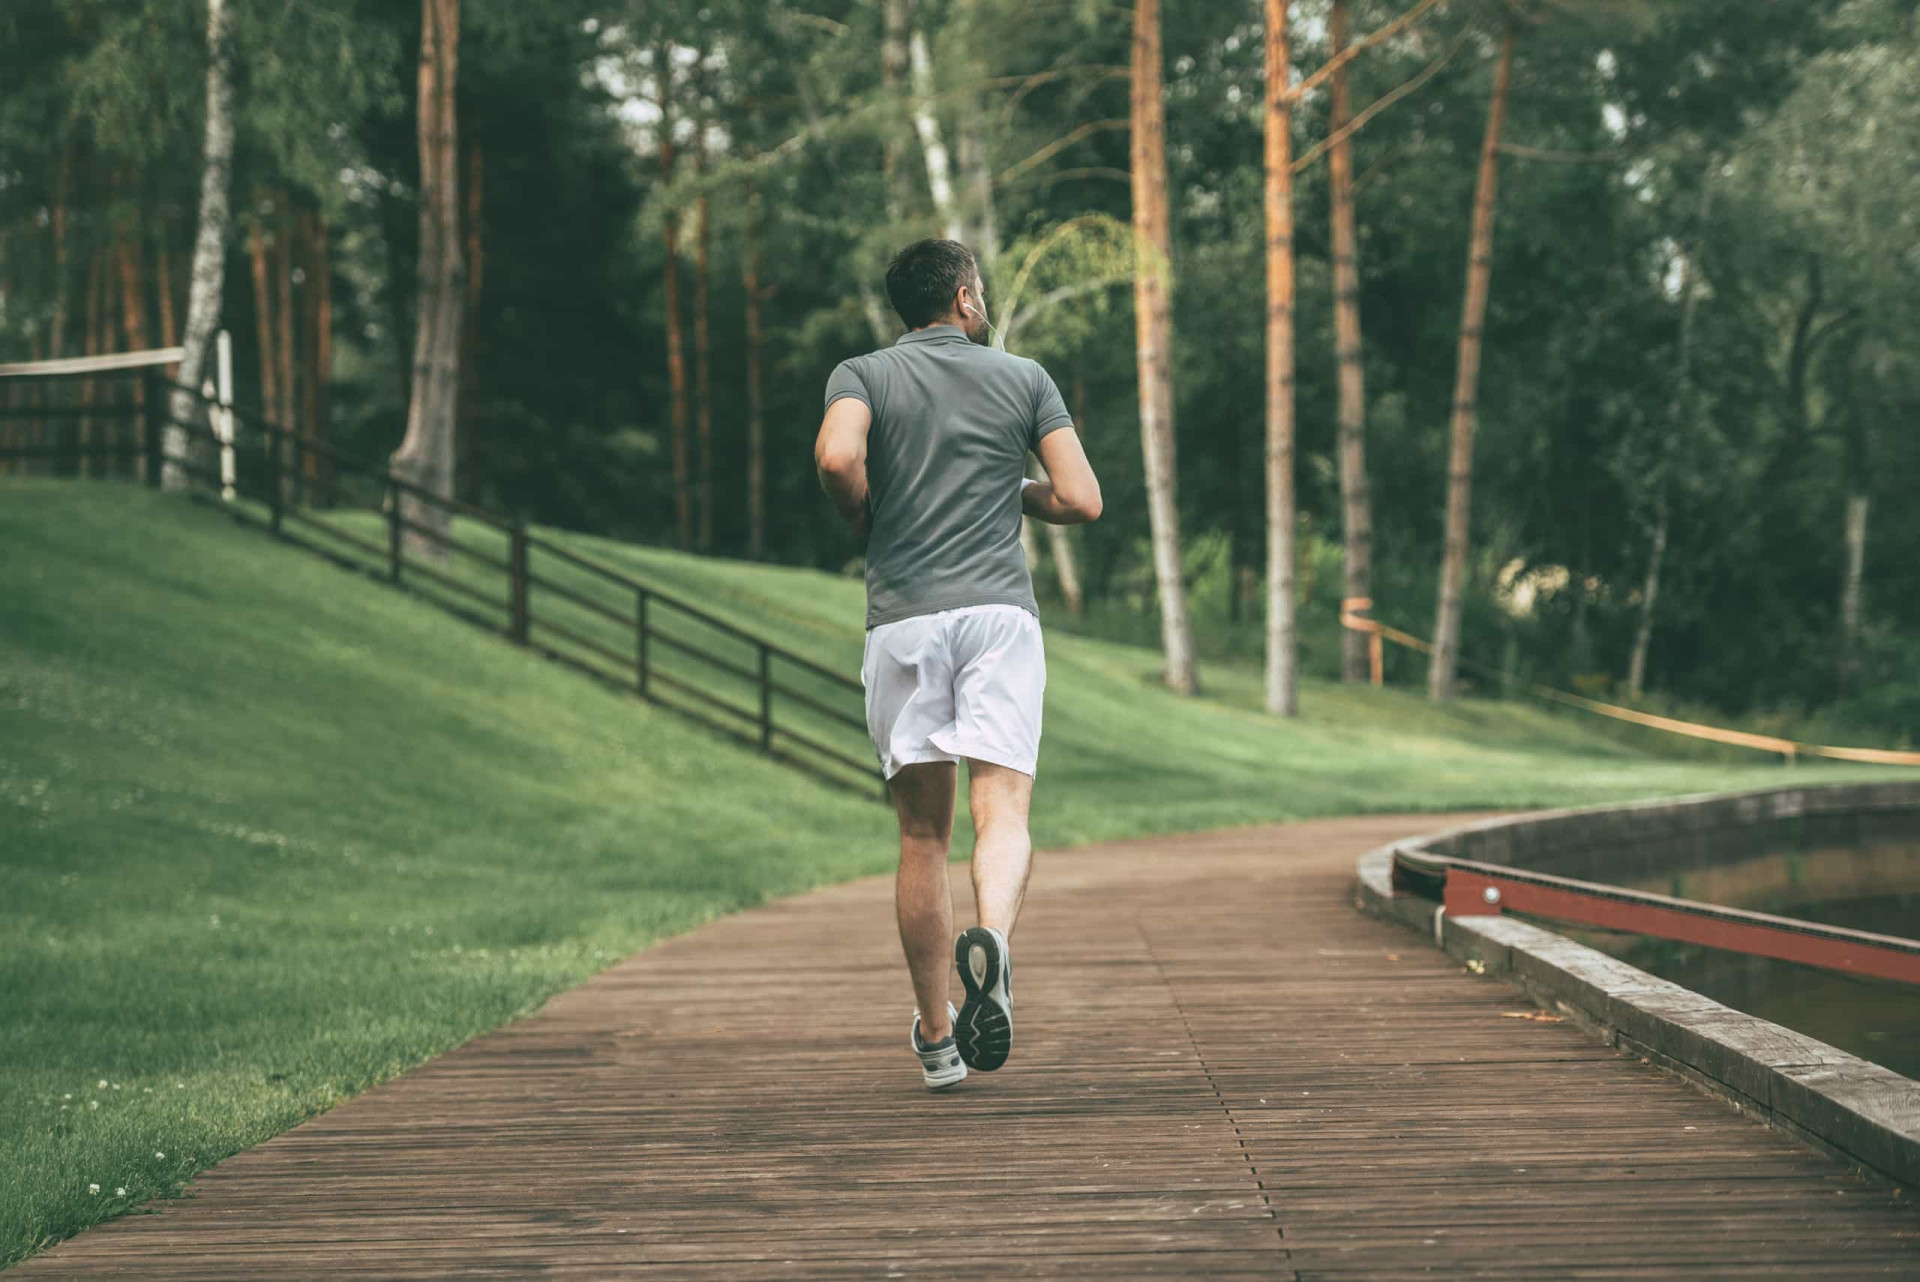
point(544, 591)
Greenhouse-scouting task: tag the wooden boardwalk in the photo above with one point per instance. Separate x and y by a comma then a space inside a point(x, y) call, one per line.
point(1222, 1071)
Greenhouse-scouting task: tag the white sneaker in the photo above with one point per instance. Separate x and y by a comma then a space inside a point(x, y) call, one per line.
point(985, 1027)
point(940, 1064)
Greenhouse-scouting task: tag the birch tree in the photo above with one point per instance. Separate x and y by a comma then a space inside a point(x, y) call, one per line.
point(1153, 330)
point(426, 454)
point(1283, 648)
point(1356, 510)
point(1473, 314)
point(210, 240)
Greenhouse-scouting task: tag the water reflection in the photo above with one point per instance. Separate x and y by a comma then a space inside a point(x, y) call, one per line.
point(1878, 1020)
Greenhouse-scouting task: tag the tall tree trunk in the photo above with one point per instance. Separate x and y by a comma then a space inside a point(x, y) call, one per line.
point(1859, 479)
point(1649, 592)
point(1856, 543)
point(702, 358)
point(56, 333)
point(315, 347)
point(893, 77)
point(1283, 646)
point(163, 287)
point(1356, 507)
point(323, 340)
point(756, 427)
point(263, 326)
point(1679, 409)
point(210, 240)
point(979, 223)
point(926, 123)
point(1453, 571)
point(426, 455)
point(98, 304)
point(133, 320)
point(676, 366)
point(676, 351)
point(1059, 537)
point(1153, 324)
point(287, 412)
point(472, 227)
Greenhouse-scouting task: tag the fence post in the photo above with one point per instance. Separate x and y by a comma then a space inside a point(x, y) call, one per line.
point(393, 528)
point(150, 425)
point(642, 643)
point(223, 389)
point(766, 699)
point(517, 569)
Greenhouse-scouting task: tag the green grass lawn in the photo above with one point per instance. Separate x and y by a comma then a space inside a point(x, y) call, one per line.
point(270, 833)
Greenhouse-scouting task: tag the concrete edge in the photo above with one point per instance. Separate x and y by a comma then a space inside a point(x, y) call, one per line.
point(1859, 1112)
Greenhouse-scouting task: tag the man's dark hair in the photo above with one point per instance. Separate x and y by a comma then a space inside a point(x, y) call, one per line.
point(923, 278)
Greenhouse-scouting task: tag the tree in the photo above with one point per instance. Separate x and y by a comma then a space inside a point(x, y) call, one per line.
point(1680, 408)
point(676, 343)
point(1473, 314)
point(208, 273)
point(756, 413)
point(426, 454)
point(1153, 325)
point(1283, 646)
point(1356, 510)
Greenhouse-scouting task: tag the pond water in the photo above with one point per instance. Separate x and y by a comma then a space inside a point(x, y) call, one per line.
point(1878, 1020)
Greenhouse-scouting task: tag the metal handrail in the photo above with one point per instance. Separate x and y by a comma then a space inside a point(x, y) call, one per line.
point(1470, 887)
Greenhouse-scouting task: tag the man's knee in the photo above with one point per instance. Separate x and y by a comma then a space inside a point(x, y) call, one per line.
point(923, 800)
point(998, 792)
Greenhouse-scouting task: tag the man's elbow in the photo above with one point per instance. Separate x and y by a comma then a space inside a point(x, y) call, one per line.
point(836, 461)
point(1086, 506)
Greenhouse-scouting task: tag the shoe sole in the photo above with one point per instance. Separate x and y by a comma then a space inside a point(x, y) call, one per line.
point(984, 1030)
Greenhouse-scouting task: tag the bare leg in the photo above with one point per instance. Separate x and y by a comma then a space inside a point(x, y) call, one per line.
point(1002, 850)
point(923, 798)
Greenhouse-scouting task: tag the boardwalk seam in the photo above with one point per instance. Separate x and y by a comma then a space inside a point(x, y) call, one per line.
point(1247, 1154)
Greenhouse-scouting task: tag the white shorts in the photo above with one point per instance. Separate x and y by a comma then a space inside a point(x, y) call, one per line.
point(956, 683)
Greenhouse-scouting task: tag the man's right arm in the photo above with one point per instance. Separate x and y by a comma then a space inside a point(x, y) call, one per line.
point(1071, 493)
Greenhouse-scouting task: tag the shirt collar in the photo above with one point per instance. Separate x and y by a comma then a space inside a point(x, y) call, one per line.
point(932, 333)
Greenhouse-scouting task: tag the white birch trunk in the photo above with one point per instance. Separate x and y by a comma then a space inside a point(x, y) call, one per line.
point(1067, 567)
point(1643, 633)
point(1679, 407)
point(425, 456)
point(1153, 324)
point(210, 241)
point(933, 145)
point(1856, 536)
point(1453, 570)
point(1283, 645)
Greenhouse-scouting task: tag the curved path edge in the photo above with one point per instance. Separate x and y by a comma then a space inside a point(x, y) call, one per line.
point(1848, 1107)
point(1221, 1071)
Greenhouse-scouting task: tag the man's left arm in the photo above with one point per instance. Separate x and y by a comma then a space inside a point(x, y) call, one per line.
point(840, 457)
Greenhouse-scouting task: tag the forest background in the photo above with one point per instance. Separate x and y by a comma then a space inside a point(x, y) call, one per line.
point(1689, 404)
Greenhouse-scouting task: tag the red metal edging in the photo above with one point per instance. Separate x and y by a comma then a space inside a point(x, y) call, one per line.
point(1477, 889)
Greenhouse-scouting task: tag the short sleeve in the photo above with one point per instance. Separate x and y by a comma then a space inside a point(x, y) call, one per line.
point(1049, 411)
point(846, 381)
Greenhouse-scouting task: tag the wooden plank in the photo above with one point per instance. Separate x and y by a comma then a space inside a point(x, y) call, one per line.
point(1222, 1071)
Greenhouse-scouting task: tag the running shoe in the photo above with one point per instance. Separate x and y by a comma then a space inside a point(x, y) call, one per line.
point(985, 1026)
point(940, 1065)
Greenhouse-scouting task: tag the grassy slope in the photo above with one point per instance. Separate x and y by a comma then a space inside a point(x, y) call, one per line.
point(269, 834)
point(1122, 756)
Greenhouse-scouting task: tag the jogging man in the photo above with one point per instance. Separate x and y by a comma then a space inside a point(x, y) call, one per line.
point(924, 451)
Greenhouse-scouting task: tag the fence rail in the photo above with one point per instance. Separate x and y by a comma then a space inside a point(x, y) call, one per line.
point(1468, 887)
point(527, 587)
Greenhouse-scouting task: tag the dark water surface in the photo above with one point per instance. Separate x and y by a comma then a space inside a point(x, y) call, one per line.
point(1878, 1020)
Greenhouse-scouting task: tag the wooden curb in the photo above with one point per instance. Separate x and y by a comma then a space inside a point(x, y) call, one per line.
point(1865, 1115)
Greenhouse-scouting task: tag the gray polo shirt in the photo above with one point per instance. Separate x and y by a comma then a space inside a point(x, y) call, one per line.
point(953, 423)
